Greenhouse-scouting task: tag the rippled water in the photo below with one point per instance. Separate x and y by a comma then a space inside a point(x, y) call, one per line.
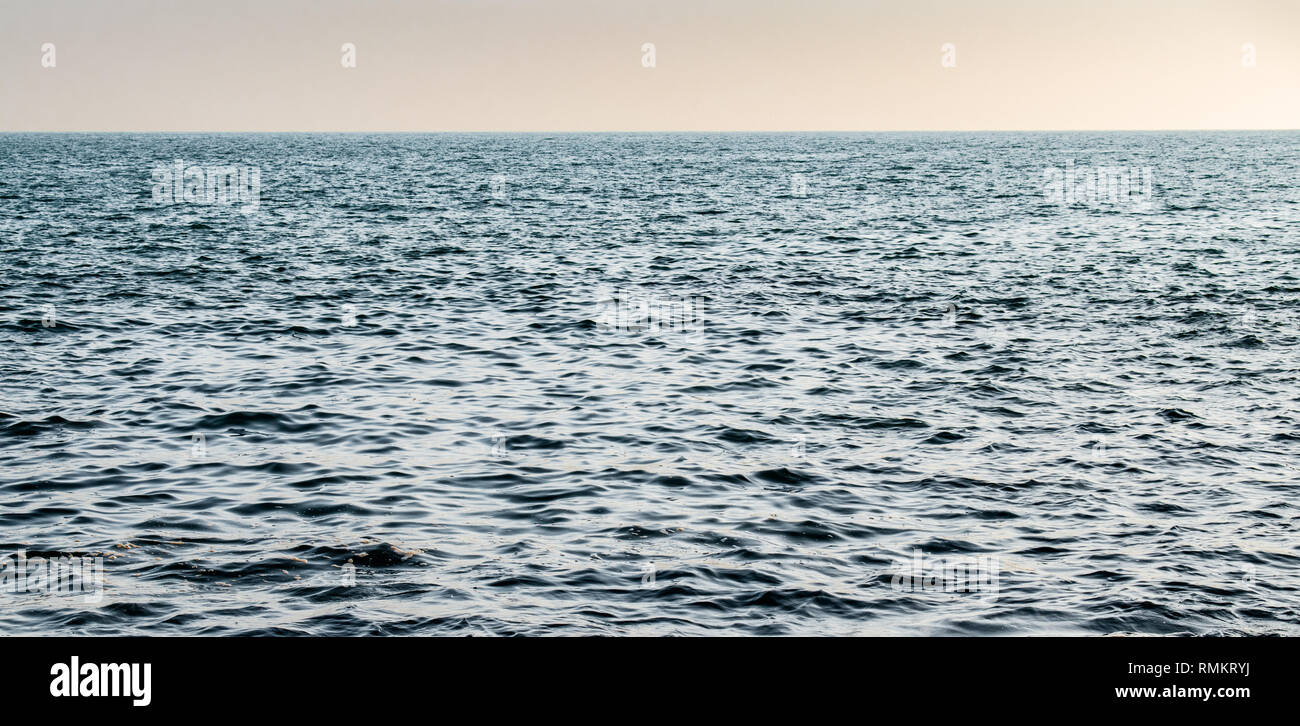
point(412, 356)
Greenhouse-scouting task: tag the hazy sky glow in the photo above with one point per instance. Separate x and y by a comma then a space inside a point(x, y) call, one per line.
point(576, 65)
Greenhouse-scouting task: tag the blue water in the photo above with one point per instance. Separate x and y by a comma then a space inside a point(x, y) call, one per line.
point(652, 384)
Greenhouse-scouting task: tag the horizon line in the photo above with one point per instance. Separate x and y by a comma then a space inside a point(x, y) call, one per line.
point(667, 131)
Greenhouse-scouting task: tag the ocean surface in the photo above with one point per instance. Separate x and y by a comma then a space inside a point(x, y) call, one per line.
point(652, 384)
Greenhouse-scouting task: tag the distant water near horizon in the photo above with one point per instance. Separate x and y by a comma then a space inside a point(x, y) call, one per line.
point(652, 384)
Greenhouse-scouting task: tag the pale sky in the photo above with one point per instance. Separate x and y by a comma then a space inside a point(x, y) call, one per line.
point(576, 65)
